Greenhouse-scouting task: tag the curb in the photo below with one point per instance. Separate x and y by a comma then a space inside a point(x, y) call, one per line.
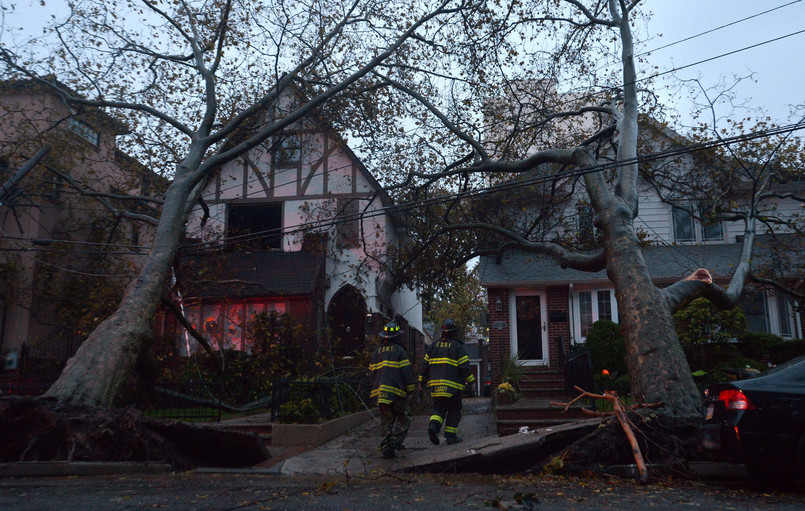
point(80, 468)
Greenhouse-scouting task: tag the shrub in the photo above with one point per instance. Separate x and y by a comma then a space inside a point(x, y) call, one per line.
point(608, 382)
point(607, 348)
point(787, 350)
point(700, 322)
point(758, 345)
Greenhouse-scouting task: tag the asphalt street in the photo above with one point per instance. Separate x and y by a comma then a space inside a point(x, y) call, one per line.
point(381, 492)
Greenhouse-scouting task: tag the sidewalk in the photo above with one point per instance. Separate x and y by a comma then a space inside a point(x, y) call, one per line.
point(356, 452)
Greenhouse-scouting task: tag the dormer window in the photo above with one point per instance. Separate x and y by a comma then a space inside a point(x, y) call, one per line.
point(85, 131)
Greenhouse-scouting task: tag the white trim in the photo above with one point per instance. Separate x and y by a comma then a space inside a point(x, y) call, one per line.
point(593, 290)
point(543, 309)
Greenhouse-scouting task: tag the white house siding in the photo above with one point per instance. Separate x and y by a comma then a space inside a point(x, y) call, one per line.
point(654, 217)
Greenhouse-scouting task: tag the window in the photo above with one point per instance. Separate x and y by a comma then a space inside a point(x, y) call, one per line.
point(592, 306)
point(85, 131)
point(287, 151)
point(754, 306)
point(255, 226)
point(689, 229)
point(785, 316)
point(348, 223)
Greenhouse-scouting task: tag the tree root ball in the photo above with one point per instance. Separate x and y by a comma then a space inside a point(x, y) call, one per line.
point(35, 429)
point(663, 440)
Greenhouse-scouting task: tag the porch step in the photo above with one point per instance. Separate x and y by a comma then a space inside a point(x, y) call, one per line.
point(542, 383)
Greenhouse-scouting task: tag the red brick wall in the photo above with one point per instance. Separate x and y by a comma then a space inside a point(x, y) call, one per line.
point(499, 342)
point(557, 298)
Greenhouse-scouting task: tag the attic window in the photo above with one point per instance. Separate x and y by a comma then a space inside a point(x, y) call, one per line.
point(85, 131)
point(287, 150)
point(255, 226)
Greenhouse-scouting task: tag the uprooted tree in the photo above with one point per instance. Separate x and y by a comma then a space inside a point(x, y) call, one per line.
point(531, 124)
point(186, 77)
point(463, 97)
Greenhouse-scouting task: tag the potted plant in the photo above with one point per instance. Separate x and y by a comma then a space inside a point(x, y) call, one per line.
point(506, 393)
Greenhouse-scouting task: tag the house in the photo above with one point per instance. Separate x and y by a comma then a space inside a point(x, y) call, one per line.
point(296, 226)
point(538, 309)
point(58, 244)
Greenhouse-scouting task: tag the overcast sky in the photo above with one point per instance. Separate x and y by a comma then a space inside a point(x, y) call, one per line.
point(778, 67)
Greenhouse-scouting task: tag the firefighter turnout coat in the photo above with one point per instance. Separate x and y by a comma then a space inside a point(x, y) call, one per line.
point(447, 368)
point(392, 375)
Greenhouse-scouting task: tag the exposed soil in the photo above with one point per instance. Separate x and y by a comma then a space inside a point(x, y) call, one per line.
point(35, 429)
point(663, 441)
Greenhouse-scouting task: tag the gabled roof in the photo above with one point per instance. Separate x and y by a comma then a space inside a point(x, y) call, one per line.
point(322, 124)
point(252, 275)
point(93, 114)
point(666, 264)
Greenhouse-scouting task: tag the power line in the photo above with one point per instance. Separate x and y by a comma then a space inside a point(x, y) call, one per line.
point(515, 184)
point(720, 27)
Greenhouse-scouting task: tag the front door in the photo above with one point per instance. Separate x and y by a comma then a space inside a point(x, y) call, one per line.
point(528, 336)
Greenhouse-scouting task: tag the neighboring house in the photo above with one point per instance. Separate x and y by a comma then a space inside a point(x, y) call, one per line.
point(538, 309)
point(297, 226)
point(52, 237)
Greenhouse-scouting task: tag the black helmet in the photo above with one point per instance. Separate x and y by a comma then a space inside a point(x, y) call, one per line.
point(449, 326)
point(391, 330)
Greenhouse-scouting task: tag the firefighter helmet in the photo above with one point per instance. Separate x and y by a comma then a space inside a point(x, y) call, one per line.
point(391, 330)
point(449, 326)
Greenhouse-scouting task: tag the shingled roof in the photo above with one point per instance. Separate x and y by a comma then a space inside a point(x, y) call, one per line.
point(666, 264)
point(252, 274)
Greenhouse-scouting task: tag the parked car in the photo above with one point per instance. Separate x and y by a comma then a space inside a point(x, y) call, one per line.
point(760, 422)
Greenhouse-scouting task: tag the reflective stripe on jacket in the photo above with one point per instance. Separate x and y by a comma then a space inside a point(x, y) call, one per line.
point(447, 368)
point(392, 376)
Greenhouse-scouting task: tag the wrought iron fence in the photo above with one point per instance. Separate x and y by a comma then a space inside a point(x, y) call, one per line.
point(579, 371)
point(311, 401)
point(304, 401)
point(185, 401)
point(25, 385)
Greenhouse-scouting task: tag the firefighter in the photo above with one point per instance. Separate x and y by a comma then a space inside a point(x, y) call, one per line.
point(392, 383)
point(446, 371)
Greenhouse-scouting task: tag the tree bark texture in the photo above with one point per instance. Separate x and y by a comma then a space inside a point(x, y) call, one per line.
point(103, 362)
point(657, 364)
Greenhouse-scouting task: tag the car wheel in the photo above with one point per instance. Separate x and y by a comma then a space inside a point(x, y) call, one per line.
point(770, 472)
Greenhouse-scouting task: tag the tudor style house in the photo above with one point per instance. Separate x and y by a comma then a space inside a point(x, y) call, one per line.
point(538, 309)
point(297, 226)
point(57, 244)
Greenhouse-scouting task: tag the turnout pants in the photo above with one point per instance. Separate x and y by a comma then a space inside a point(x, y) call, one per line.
point(395, 419)
point(446, 410)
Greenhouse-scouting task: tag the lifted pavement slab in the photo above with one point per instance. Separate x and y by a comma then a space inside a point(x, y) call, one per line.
point(356, 453)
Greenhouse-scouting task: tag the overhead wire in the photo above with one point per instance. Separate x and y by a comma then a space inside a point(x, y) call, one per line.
point(442, 199)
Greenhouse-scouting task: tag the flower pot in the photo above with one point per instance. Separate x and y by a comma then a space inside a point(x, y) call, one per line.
point(504, 398)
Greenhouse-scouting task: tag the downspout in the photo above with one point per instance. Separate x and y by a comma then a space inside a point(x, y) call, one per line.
point(570, 315)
